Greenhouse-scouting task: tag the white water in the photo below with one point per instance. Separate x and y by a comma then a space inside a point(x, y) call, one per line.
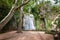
point(29, 22)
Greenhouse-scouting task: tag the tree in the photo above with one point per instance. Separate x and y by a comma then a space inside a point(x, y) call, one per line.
point(9, 16)
point(11, 13)
point(20, 25)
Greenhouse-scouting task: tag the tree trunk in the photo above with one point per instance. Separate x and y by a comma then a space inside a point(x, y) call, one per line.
point(20, 25)
point(11, 13)
point(8, 17)
point(10, 26)
point(42, 17)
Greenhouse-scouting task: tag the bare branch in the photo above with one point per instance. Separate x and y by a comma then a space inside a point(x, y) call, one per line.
point(22, 4)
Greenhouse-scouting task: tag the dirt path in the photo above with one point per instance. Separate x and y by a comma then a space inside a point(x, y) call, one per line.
point(26, 35)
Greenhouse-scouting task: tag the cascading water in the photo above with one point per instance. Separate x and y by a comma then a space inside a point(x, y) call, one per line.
point(29, 22)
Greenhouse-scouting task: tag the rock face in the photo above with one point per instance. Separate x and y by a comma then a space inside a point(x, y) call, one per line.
point(29, 22)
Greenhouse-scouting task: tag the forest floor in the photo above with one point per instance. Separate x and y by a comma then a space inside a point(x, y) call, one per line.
point(26, 35)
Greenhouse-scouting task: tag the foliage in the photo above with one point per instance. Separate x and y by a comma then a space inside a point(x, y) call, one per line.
point(5, 6)
point(34, 6)
point(4, 9)
point(58, 22)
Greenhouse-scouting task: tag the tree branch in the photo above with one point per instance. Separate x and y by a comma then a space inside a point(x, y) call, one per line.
point(9, 16)
point(22, 4)
point(55, 19)
point(11, 13)
point(13, 7)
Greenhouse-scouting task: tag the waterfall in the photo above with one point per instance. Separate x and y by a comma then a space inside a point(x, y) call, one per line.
point(29, 22)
